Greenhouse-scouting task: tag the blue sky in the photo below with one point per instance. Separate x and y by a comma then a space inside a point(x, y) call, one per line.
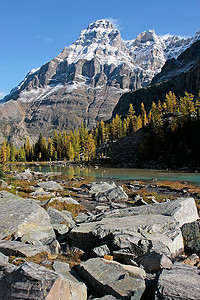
point(34, 31)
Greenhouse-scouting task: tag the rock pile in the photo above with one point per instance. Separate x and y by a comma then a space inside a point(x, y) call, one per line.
point(143, 245)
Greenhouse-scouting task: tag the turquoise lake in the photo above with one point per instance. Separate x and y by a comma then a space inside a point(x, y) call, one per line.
point(106, 173)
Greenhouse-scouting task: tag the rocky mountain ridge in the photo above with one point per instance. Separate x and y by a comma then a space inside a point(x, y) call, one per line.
point(85, 81)
point(178, 75)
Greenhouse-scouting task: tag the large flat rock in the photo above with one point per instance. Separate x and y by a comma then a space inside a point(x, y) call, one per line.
point(136, 233)
point(107, 278)
point(154, 227)
point(183, 210)
point(23, 217)
point(31, 281)
point(182, 282)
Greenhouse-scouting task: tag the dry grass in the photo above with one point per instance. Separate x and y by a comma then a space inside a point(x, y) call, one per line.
point(75, 184)
point(46, 259)
point(145, 194)
point(75, 209)
point(173, 185)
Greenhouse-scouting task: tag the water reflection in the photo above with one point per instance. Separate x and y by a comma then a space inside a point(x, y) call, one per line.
point(103, 173)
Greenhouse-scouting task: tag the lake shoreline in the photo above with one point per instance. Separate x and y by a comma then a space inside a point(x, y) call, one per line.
point(96, 172)
point(143, 180)
point(104, 164)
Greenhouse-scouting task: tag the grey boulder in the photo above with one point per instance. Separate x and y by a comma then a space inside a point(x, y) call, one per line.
point(61, 268)
point(68, 200)
point(154, 262)
point(179, 283)
point(31, 281)
point(40, 192)
point(101, 251)
point(107, 278)
point(21, 217)
point(100, 187)
point(191, 236)
point(81, 218)
point(61, 221)
point(114, 194)
point(50, 186)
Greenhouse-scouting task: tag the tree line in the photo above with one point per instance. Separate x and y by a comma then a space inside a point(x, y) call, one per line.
point(81, 143)
point(77, 145)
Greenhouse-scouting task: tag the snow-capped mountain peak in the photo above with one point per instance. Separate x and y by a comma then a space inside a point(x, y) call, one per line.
point(101, 31)
point(100, 40)
point(85, 81)
point(102, 23)
point(143, 56)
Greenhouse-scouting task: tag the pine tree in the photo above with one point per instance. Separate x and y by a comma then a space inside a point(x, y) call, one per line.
point(50, 149)
point(43, 149)
point(82, 135)
point(55, 154)
point(70, 152)
point(131, 120)
point(8, 152)
point(75, 141)
point(156, 117)
point(125, 127)
point(66, 140)
point(107, 132)
point(55, 140)
point(27, 148)
point(164, 108)
point(96, 135)
point(38, 148)
point(4, 152)
point(12, 152)
point(21, 154)
point(171, 102)
point(143, 115)
point(139, 122)
point(59, 145)
point(186, 106)
point(89, 147)
point(153, 115)
point(117, 127)
point(102, 135)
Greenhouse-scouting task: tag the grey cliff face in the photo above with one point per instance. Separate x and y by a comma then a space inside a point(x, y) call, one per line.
point(85, 81)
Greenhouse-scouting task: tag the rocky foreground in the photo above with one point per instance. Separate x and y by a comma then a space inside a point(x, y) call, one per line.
point(78, 240)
